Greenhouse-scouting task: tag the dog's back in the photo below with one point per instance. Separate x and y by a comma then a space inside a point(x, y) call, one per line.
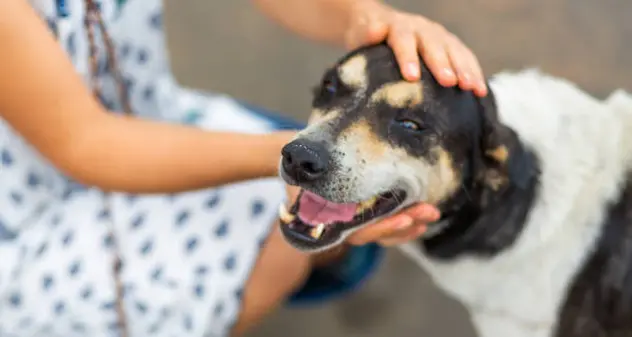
point(570, 272)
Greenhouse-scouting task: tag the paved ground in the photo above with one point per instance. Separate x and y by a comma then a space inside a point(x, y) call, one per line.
point(227, 46)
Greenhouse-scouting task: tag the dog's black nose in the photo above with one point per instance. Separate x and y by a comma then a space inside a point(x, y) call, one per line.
point(305, 160)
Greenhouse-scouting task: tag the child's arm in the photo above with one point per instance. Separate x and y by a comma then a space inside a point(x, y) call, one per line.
point(319, 20)
point(44, 99)
point(355, 23)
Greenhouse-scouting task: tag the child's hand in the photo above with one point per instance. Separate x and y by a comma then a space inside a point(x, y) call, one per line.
point(399, 228)
point(409, 35)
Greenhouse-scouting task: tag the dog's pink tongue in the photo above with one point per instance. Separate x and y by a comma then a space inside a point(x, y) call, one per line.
point(314, 210)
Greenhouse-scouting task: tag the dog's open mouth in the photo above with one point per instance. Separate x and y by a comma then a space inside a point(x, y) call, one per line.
point(313, 221)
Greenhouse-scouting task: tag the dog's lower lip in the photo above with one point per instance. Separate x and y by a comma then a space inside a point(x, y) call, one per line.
point(316, 235)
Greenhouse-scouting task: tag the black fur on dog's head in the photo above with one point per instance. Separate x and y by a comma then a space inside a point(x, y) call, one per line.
point(376, 143)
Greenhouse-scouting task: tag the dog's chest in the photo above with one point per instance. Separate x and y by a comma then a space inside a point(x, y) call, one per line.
point(507, 295)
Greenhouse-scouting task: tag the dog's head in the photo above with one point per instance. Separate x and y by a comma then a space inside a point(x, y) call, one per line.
point(376, 143)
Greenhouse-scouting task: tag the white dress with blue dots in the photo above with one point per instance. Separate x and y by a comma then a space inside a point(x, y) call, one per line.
point(184, 258)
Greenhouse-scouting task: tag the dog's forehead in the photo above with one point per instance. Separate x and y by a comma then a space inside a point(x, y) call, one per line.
point(375, 72)
point(366, 66)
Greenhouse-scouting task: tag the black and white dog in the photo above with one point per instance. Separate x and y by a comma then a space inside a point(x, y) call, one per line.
point(534, 183)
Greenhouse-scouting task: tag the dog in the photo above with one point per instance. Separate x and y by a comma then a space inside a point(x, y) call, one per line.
point(534, 183)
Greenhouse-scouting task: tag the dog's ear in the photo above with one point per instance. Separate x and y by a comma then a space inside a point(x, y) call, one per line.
point(505, 159)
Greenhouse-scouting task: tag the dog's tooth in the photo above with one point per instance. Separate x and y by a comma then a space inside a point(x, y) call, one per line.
point(367, 204)
point(285, 215)
point(317, 231)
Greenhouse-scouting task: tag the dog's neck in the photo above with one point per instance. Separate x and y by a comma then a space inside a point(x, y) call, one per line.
point(480, 220)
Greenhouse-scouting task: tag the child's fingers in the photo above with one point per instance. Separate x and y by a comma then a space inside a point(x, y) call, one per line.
point(468, 69)
point(391, 227)
point(461, 62)
point(377, 231)
point(404, 47)
point(436, 58)
point(406, 236)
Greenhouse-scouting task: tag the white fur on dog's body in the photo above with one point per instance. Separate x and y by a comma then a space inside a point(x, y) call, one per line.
point(585, 156)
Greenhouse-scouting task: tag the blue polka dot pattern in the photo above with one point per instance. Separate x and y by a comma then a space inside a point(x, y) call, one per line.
point(47, 282)
point(60, 307)
point(110, 305)
point(5, 233)
point(71, 44)
point(104, 215)
point(181, 254)
point(239, 293)
point(156, 274)
point(257, 208)
point(17, 198)
point(192, 117)
point(155, 20)
point(222, 229)
point(148, 93)
point(138, 221)
point(129, 84)
point(125, 50)
point(191, 244)
point(146, 247)
point(6, 158)
point(181, 218)
point(108, 241)
point(213, 201)
point(78, 327)
point(199, 291)
point(219, 309)
point(15, 299)
point(41, 250)
point(67, 238)
point(141, 307)
point(33, 180)
point(201, 270)
point(142, 56)
point(86, 293)
point(52, 25)
point(74, 268)
point(229, 263)
point(55, 220)
point(62, 8)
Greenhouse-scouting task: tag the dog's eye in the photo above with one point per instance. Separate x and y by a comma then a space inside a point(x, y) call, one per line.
point(409, 125)
point(330, 86)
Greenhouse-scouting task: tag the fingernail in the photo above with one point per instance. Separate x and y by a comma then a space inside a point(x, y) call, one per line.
point(482, 87)
point(405, 223)
point(448, 72)
point(421, 230)
point(413, 70)
point(432, 214)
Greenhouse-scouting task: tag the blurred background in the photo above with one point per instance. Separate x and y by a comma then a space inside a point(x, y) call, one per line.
point(228, 46)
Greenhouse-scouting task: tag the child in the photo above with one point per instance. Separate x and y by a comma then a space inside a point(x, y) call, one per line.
point(107, 223)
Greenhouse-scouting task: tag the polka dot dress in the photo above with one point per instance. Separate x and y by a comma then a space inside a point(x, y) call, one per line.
point(184, 258)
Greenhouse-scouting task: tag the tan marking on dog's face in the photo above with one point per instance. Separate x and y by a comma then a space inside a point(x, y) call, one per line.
point(353, 72)
point(368, 145)
point(400, 94)
point(495, 180)
point(500, 153)
point(319, 116)
point(444, 178)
